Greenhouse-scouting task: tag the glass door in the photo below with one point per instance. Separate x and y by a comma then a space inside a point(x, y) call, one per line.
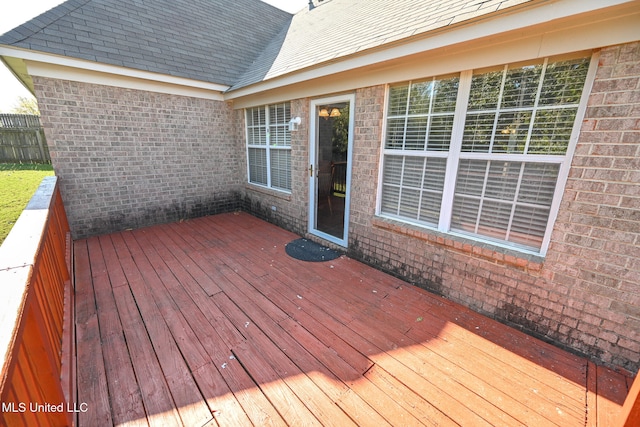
point(329, 168)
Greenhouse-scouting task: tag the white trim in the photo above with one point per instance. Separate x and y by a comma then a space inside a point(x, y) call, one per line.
point(383, 131)
point(93, 77)
point(313, 160)
point(462, 103)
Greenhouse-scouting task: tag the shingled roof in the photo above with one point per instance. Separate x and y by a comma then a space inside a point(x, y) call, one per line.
point(206, 40)
point(339, 28)
point(237, 43)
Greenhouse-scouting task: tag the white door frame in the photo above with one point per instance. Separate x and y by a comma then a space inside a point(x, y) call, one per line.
point(313, 163)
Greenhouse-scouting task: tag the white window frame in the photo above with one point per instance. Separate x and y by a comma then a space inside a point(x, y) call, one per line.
point(268, 147)
point(455, 154)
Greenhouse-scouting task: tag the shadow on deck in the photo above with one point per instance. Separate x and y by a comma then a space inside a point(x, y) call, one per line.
point(209, 322)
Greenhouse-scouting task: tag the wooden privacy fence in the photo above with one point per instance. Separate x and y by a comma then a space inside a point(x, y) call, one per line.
point(22, 139)
point(36, 316)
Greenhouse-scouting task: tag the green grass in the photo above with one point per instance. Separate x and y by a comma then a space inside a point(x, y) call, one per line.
point(18, 182)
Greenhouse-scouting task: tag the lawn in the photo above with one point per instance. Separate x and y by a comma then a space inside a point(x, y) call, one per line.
point(18, 182)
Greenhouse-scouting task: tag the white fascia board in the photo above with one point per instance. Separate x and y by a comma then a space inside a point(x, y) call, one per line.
point(511, 20)
point(61, 67)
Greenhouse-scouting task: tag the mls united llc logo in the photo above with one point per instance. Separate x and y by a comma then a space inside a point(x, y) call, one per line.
point(21, 407)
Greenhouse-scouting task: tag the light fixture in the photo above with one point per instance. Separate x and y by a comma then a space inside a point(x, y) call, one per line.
point(326, 112)
point(294, 123)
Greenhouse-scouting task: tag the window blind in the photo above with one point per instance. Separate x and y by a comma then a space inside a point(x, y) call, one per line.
point(497, 180)
point(269, 146)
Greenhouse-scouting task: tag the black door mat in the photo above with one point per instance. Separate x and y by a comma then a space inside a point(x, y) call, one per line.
point(308, 250)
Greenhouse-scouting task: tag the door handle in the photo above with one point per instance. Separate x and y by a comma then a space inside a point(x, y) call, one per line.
point(311, 170)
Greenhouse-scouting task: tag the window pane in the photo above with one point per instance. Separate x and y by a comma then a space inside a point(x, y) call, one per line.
point(504, 201)
point(464, 216)
point(395, 134)
point(516, 104)
point(485, 89)
point(390, 199)
point(256, 117)
point(502, 180)
point(257, 136)
point(564, 81)
point(280, 136)
point(412, 187)
point(420, 98)
point(281, 169)
point(279, 116)
point(494, 219)
point(433, 189)
point(416, 133)
point(552, 131)
point(478, 129)
point(391, 179)
point(538, 183)
point(419, 128)
point(409, 203)
point(471, 176)
point(445, 95)
point(440, 133)
point(258, 165)
point(256, 126)
point(393, 170)
point(529, 226)
point(413, 171)
point(511, 132)
point(398, 100)
point(521, 86)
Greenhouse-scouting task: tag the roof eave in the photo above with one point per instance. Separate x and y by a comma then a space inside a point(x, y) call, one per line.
point(505, 21)
point(63, 61)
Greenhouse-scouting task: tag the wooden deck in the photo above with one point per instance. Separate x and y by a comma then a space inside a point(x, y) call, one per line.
point(209, 322)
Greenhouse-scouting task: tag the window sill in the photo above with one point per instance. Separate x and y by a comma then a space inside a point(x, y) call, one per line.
point(498, 254)
point(268, 191)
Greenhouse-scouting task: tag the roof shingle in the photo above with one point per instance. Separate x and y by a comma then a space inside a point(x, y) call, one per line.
point(235, 43)
point(207, 40)
point(339, 28)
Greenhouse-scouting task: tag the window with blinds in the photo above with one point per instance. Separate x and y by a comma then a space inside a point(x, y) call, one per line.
point(269, 146)
point(419, 125)
point(482, 153)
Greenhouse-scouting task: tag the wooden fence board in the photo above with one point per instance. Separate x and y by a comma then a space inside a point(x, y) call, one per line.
point(22, 139)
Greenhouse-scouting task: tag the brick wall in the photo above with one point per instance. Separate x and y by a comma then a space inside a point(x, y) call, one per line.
point(595, 254)
point(129, 158)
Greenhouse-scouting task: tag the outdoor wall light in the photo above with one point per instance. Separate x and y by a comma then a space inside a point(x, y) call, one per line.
point(294, 123)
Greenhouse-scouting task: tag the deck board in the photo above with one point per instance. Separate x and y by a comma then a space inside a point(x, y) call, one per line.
point(209, 322)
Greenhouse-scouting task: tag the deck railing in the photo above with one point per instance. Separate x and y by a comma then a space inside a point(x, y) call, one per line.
point(36, 316)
